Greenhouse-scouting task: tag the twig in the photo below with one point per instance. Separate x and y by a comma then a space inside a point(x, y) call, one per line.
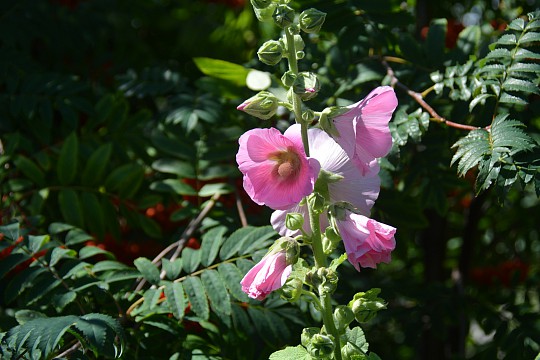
point(72, 349)
point(419, 98)
point(240, 208)
point(179, 245)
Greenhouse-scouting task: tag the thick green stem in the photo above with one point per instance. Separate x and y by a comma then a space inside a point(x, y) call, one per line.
point(316, 238)
point(328, 320)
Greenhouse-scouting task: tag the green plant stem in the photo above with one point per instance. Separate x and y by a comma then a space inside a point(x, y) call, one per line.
point(316, 238)
point(321, 261)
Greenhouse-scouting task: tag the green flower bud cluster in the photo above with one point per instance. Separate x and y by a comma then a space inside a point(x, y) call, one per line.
point(310, 21)
point(316, 202)
point(365, 305)
point(323, 279)
point(319, 345)
point(292, 289)
point(306, 85)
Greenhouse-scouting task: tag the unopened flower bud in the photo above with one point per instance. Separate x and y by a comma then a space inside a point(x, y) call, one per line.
point(308, 115)
point(311, 20)
point(306, 85)
point(300, 55)
point(292, 290)
point(264, 9)
point(365, 305)
point(307, 334)
point(343, 316)
point(316, 202)
point(288, 78)
point(294, 221)
point(283, 15)
point(299, 44)
point(262, 105)
point(321, 346)
point(330, 240)
point(271, 52)
point(323, 279)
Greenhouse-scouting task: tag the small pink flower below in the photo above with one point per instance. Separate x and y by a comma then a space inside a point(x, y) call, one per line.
point(367, 242)
point(266, 276)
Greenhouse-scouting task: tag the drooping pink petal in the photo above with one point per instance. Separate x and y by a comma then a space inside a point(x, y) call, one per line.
point(363, 130)
point(266, 276)
point(367, 242)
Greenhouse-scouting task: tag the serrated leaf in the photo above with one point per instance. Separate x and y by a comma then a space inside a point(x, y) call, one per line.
point(96, 165)
point(506, 98)
point(524, 54)
point(291, 353)
point(39, 337)
point(529, 37)
point(197, 297)
point(148, 270)
point(246, 238)
point(524, 67)
point(232, 276)
point(357, 339)
point(60, 301)
point(174, 292)
point(66, 167)
point(507, 39)
point(101, 331)
point(520, 85)
point(217, 292)
point(499, 54)
point(211, 242)
point(480, 99)
point(22, 281)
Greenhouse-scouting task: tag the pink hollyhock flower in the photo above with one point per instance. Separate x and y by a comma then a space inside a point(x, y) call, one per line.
point(359, 190)
point(363, 130)
point(367, 242)
point(267, 275)
point(276, 171)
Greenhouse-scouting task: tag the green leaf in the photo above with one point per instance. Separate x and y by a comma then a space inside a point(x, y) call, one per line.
point(77, 236)
point(101, 332)
point(174, 186)
point(30, 170)
point(232, 276)
point(291, 353)
point(90, 251)
point(11, 231)
point(59, 253)
point(197, 297)
point(217, 292)
point(70, 207)
point(222, 70)
point(507, 39)
point(148, 270)
point(39, 337)
point(60, 301)
point(174, 292)
point(356, 338)
point(172, 268)
point(247, 238)
point(211, 242)
point(173, 166)
point(435, 41)
point(125, 179)
point(191, 259)
point(212, 189)
point(529, 37)
point(68, 160)
point(506, 98)
point(22, 281)
point(149, 226)
point(520, 85)
point(94, 170)
point(36, 242)
point(94, 214)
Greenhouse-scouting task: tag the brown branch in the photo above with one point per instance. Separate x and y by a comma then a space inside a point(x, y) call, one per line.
point(419, 98)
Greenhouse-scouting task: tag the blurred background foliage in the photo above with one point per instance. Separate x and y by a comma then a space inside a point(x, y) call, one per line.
point(108, 124)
